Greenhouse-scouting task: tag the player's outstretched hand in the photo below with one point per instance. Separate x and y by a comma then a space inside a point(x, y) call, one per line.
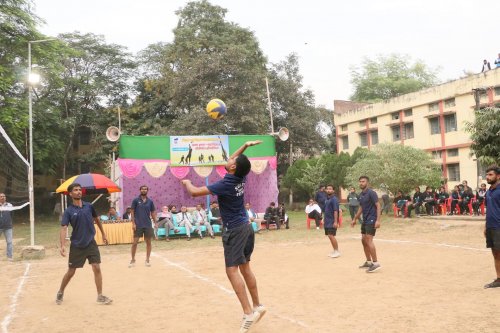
point(62, 250)
point(253, 143)
point(353, 223)
point(185, 182)
point(104, 240)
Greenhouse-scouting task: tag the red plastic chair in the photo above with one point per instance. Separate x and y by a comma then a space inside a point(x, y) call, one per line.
point(309, 219)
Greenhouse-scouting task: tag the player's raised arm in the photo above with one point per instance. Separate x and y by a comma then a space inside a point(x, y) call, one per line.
point(195, 191)
point(247, 144)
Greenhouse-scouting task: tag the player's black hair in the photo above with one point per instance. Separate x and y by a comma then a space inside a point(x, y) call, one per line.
point(494, 168)
point(242, 166)
point(72, 186)
point(364, 177)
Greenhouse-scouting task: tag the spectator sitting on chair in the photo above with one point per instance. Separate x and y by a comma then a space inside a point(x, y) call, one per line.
point(429, 200)
point(442, 196)
point(321, 197)
point(400, 201)
point(466, 196)
point(283, 218)
point(385, 203)
point(416, 202)
point(479, 199)
point(313, 211)
point(185, 220)
point(165, 221)
point(113, 215)
point(353, 200)
point(252, 216)
point(214, 214)
point(128, 213)
point(271, 216)
point(200, 219)
point(455, 199)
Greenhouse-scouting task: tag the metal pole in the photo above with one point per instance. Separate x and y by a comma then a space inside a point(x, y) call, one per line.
point(269, 106)
point(30, 176)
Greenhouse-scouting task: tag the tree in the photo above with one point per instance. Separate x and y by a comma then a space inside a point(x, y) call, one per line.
point(312, 176)
point(209, 57)
point(390, 76)
point(17, 26)
point(335, 169)
point(485, 134)
point(292, 176)
point(396, 167)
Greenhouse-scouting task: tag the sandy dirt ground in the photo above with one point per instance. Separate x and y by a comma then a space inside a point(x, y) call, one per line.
point(431, 280)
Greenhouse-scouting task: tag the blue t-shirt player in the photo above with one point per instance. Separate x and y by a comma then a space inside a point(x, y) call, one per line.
point(331, 218)
point(81, 215)
point(237, 236)
point(492, 226)
point(369, 207)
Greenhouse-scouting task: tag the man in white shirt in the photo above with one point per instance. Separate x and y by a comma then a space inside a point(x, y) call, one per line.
point(314, 212)
point(200, 218)
point(252, 216)
point(185, 220)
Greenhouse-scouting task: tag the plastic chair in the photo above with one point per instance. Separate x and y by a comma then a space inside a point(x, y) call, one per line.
point(309, 219)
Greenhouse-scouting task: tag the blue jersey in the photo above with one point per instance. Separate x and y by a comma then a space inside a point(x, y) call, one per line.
point(493, 208)
point(82, 222)
point(368, 200)
point(142, 212)
point(331, 206)
point(230, 191)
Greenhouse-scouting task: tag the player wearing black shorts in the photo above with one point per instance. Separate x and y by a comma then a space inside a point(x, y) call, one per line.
point(332, 220)
point(370, 208)
point(238, 236)
point(81, 215)
point(143, 210)
point(492, 226)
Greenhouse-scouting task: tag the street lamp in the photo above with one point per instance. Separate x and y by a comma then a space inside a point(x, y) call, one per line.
point(33, 79)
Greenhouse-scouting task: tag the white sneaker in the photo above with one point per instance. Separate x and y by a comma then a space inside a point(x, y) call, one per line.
point(249, 321)
point(317, 228)
point(131, 264)
point(147, 263)
point(334, 254)
point(261, 309)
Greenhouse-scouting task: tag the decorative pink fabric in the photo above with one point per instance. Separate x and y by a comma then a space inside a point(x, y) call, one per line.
point(221, 170)
point(203, 171)
point(180, 172)
point(130, 168)
point(273, 162)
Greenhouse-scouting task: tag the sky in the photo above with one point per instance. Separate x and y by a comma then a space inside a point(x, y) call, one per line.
point(330, 37)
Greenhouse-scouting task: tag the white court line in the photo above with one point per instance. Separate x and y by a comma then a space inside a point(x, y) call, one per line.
point(221, 287)
point(398, 241)
point(8, 318)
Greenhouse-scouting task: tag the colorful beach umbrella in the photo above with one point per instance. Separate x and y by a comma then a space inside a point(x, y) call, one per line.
point(92, 183)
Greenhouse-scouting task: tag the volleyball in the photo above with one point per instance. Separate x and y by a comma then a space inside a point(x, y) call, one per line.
point(216, 109)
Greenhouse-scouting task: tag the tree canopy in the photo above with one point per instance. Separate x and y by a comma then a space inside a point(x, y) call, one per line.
point(390, 76)
point(485, 135)
point(392, 167)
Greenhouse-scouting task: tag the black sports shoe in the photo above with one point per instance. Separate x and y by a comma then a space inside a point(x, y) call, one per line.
point(373, 268)
point(494, 284)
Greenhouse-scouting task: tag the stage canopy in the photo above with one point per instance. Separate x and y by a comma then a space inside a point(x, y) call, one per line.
point(147, 160)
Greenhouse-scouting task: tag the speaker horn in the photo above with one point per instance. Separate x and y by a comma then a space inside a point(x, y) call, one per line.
point(283, 134)
point(113, 133)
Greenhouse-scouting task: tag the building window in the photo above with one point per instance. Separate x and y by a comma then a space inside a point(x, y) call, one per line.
point(449, 103)
point(454, 172)
point(395, 115)
point(452, 152)
point(434, 107)
point(497, 91)
point(408, 132)
point(395, 133)
point(363, 138)
point(373, 120)
point(437, 154)
point(343, 128)
point(408, 113)
point(362, 123)
point(435, 126)
point(345, 142)
point(374, 135)
point(450, 123)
